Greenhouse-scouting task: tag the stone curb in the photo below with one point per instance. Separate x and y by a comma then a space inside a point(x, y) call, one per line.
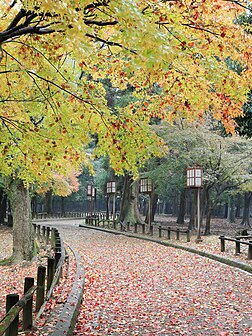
point(68, 316)
point(230, 262)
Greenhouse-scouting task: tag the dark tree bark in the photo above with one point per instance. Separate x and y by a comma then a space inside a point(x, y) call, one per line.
point(48, 202)
point(62, 206)
point(208, 212)
point(246, 209)
point(231, 210)
point(3, 205)
point(154, 201)
point(22, 224)
point(129, 205)
point(193, 211)
point(182, 208)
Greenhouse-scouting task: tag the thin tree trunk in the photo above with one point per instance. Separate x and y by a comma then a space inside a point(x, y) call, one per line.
point(246, 209)
point(48, 202)
point(231, 209)
point(209, 210)
point(182, 208)
point(3, 205)
point(22, 225)
point(154, 200)
point(193, 212)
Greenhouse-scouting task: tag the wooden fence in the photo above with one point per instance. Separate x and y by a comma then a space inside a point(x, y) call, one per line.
point(47, 278)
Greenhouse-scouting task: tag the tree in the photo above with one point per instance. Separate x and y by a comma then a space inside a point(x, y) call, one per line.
point(54, 53)
point(226, 162)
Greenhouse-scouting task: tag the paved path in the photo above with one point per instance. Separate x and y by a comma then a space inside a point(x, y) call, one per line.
point(135, 287)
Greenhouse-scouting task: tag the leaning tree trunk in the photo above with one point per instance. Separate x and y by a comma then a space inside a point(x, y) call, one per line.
point(22, 225)
point(246, 209)
point(129, 212)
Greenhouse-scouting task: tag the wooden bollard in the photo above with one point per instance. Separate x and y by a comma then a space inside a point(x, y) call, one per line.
point(40, 295)
point(177, 234)
point(237, 246)
point(11, 300)
point(135, 228)
point(50, 272)
point(53, 237)
point(188, 236)
point(222, 240)
point(48, 229)
point(27, 310)
point(38, 232)
point(128, 226)
point(151, 230)
point(168, 233)
point(250, 250)
point(143, 228)
point(160, 231)
point(34, 228)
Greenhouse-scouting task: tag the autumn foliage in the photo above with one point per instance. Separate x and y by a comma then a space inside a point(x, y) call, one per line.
point(54, 55)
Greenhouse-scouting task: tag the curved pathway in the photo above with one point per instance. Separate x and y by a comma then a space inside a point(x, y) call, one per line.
point(135, 287)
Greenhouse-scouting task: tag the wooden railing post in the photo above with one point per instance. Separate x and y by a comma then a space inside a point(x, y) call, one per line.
point(48, 229)
point(222, 240)
point(135, 228)
point(40, 296)
point(143, 228)
point(168, 233)
point(50, 272)
point(160, 231)
point(188, 236)
point(177, 234)
point(250, 250)
point(27, 310)
point(237, 246)
point(11, 300)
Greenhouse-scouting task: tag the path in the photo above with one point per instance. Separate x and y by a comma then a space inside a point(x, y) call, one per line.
point(135, 287)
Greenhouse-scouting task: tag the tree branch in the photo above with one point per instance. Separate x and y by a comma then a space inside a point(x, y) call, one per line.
point(110, 43)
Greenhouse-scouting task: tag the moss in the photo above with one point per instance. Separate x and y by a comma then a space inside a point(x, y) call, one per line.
point(6, 262)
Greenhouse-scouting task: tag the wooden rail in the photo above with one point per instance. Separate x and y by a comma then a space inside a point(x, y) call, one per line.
point(177, 230)
point(238, 244)
point(9, 323)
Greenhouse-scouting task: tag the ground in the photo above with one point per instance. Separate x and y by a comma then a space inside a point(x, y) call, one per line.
point(135, 287)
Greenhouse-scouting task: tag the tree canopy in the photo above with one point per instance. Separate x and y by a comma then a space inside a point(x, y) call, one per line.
point(54, 55)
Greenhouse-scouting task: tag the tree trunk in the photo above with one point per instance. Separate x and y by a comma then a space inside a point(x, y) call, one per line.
point(48, 202)
point(182, 208)
point(208, 212)
point(231, 210)
point(193, 211)
point(22, 224)
point(62, 206)
point(246, 209)
point(154, 200)
point(129, 212)
point(3, 205)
